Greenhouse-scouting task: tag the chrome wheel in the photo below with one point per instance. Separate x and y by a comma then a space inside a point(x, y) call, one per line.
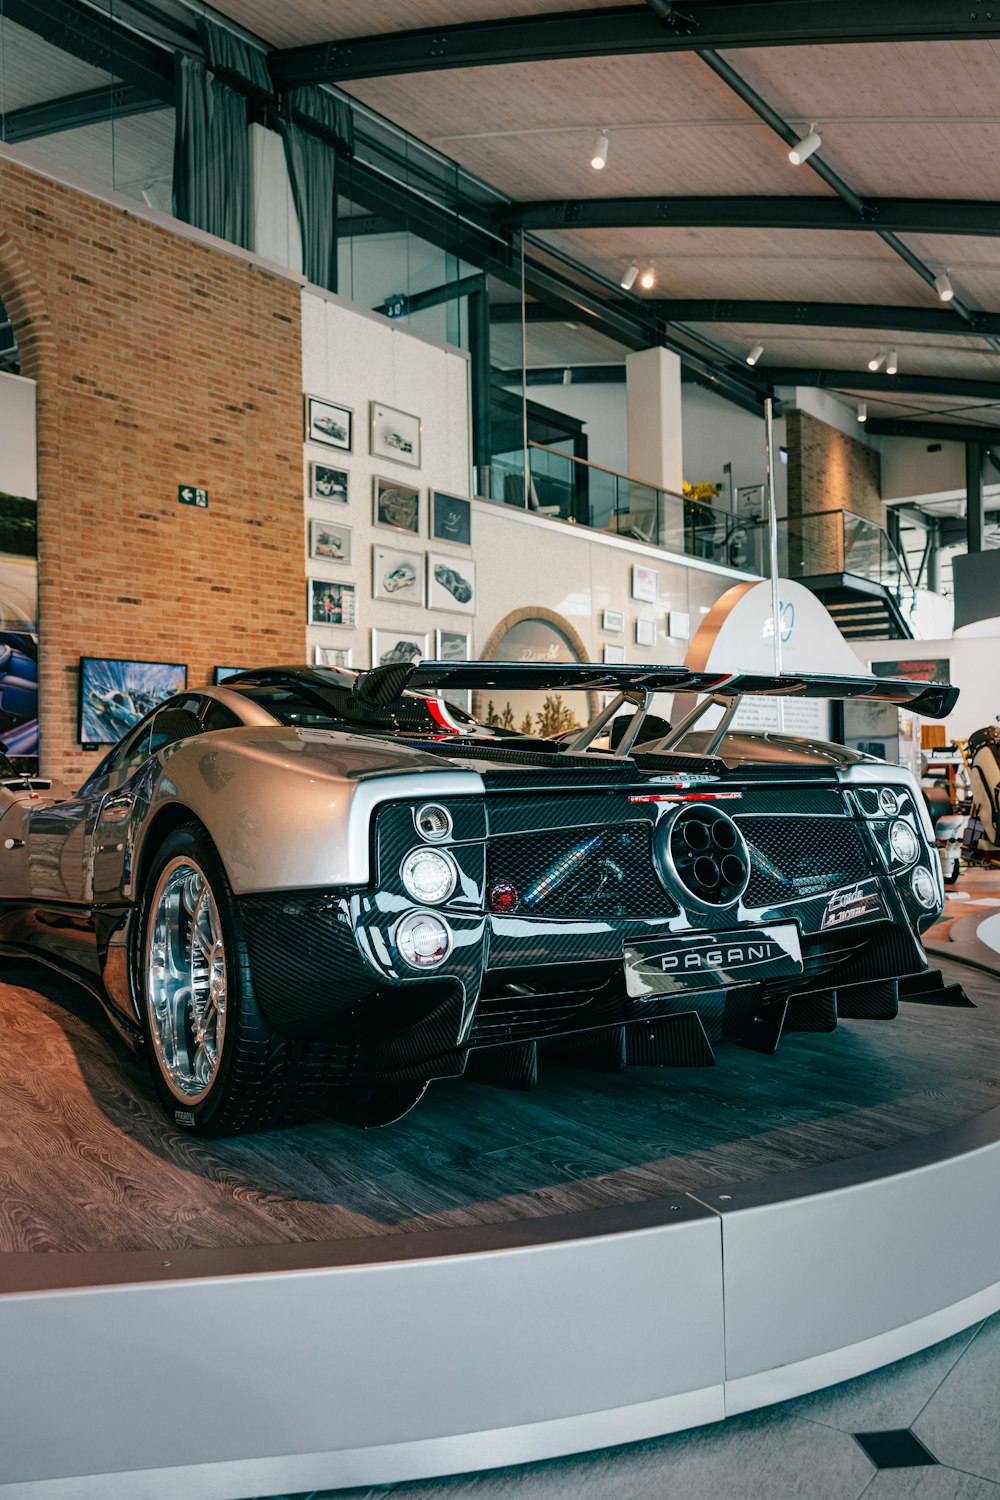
point(185, 963)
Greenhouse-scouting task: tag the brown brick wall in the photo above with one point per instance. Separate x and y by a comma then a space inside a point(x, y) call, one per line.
point(159, 362)
point(830, 471)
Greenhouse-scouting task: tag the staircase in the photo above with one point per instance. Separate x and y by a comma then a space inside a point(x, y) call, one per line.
point(851, 564)
point(862, 609)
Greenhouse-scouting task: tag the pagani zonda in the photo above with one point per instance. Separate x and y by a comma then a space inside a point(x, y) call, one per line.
point(313, 885)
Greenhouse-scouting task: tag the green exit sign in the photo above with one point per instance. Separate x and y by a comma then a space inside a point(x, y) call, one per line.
point(188, 494)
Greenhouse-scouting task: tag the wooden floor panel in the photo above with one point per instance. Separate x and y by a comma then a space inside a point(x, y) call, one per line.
point(87, 1161)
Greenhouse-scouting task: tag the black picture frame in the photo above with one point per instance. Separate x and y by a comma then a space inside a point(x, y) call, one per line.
point(110, 702)
point(451, 518)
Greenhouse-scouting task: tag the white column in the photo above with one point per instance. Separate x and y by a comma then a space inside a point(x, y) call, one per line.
point(653, 387)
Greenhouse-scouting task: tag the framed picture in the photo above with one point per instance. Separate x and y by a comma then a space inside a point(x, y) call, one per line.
point(329, 541)
point(645, 583)
point(330, 424)
point(115, 694)
point(451, 583)
point(613, 621)
point(614, 655)
point(327, 484)
point(451, 518)
point(645, 632)
point(678, 625)
point(453, 645)
point(395, 645)
point(332, 603)
point(397, 505)
point(333, 656)
point(221, 673)
point(395, 435)
point(397, 575)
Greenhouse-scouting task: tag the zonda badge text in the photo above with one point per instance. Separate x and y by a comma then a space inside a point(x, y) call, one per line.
point(847, 906)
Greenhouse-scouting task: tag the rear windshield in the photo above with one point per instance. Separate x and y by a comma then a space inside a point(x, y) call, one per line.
point(320, 707)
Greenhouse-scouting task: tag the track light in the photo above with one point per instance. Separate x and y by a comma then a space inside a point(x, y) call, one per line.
point(877, 360)
point(943, 286)
point(892, 363)
point(600, 156)
point(629, 279)
point(862, 411)
point(647, 279)
point(803, 149)
point(755, 354)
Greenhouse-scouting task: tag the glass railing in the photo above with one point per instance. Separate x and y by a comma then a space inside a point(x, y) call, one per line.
point(825, 543)
point(571, 489)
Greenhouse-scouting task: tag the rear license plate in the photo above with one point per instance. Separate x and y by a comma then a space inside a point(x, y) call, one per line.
point(713, 960)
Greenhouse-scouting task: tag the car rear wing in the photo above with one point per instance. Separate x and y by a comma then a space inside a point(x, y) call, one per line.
point(382, 685)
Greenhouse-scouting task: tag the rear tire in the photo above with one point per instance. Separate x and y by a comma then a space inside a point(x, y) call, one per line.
point(217, 1064)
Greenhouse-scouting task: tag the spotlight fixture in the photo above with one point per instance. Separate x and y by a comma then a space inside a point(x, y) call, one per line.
point(647, 279)
point(892, 363)
point(755, 354)
point(629, 279)
point(600, 156)
point(803, 149)
point(862, 411)
point(877, 360)
point(943, 286)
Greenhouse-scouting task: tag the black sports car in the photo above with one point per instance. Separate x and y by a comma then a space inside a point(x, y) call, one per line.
point(310, 884)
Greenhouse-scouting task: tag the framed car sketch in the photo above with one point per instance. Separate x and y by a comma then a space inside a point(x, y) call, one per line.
point(453, 645)
point(396, 505)
point(330, 424)
point(332, 603)
point(451, 518)
point(613, 621)
point(614, 654)
point(395, 435)
point(333, 656)
point(645, 583)
point(397, 575)
point(451, 583)
point(326, 483)
point(330, 542)
point(645, 632)
point(390, 646)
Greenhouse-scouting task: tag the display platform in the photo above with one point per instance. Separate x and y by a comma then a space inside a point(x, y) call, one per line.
point(499, 1277)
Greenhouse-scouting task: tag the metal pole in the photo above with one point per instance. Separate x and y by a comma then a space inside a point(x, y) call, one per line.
point(524, 379)
point(772, 531)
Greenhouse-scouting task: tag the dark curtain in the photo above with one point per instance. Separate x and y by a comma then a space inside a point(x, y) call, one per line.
point(212, 178)
point(316, 128)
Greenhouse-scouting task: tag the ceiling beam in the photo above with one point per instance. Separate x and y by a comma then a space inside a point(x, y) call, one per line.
point(901, 215)
point(932, 320)
point(625, 29)
point(117, 101)
point(100, 40)
point(888, 385)
point(935, 432)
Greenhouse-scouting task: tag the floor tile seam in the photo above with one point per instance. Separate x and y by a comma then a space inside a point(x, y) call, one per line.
point(950, 1371)
point(970, 1474)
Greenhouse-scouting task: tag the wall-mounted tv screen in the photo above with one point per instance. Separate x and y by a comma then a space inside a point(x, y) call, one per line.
point(115, 694)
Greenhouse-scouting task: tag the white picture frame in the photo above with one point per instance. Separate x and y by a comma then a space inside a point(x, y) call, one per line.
point(613, 654)
point(645, 583)
point(395, 435)
point(394, 645)
point(333, 656)
point(613, 621)
point(678, 625)
point(451, 583)
point(328, 484)
point(329, 423)
point(329, 541)
point(397, 575)
point(645, 632)
point(330, 603)
point(452, 645)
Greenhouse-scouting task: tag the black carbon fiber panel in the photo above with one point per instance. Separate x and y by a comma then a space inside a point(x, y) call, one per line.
point(506, 1067)
point(792, 857)
point(508, 1018)
point(590, 873)
point(304, 960)
point(554, 943)
point(876, 1000)
point(396, 836)
point(580, 809)
point(816, 1012)
point(601, 1050)
point(677, 1042)
point(887, 952)
point(807, 801)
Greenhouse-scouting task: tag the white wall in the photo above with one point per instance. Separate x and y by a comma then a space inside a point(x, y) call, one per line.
point(975, 670)
point(655, 436)
point(716, 433)
point(603, 408)
point(522, 560)
point(18, 460)
point(910, 472)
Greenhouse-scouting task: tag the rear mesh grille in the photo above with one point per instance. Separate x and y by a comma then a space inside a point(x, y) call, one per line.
point(584, 873)
point(792, 857)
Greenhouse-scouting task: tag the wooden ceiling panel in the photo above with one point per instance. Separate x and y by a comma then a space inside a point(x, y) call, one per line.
point(850, 349)
point(295, 23)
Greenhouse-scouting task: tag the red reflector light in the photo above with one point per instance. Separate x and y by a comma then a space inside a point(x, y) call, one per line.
point(687, 797)
point(503, 897)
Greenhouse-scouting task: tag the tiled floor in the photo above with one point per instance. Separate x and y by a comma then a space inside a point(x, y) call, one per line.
point(932, 1422)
